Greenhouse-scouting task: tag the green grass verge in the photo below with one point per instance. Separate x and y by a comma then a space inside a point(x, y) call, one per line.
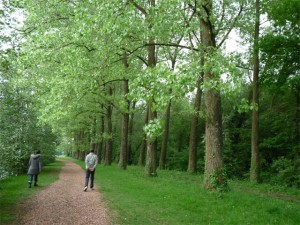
point(177, 198)
point(14, 190)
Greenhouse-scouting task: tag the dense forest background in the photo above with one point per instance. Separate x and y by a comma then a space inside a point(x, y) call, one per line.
point(204, 86)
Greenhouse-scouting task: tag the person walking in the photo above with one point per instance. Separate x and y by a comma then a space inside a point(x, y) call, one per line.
point(35, 167)
point(91, 161)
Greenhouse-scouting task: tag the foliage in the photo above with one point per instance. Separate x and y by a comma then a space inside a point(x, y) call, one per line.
point(215, 181)
point(178, 160)
point(153, 129)
point(286, 172)
point(21, 133)
point(72, 51)
point(280, 43)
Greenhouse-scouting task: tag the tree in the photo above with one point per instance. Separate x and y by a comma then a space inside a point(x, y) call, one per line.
point(192, 166)
point(109, 131)
point(280, 82)
point(213, 131)
point(254, 171)
point(21, 132)
point(150, 167)
point(123, 161)
point(279, 47)
point(164, 145)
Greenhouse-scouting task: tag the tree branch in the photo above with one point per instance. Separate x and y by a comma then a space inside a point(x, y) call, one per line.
point(232, 25)
point(140, 8)
point(77, 45)
point(172, 45)
point(221, 20)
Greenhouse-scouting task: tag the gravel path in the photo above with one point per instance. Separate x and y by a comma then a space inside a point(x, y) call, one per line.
point(64, 202)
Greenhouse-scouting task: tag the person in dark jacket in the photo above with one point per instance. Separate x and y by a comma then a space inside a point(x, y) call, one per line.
point(35, 167)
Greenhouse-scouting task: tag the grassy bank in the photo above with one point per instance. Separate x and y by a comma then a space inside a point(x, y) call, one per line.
point(177, 198)
point(15, 189)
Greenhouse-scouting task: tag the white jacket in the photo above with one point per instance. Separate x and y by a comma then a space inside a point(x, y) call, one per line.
point(91, 160)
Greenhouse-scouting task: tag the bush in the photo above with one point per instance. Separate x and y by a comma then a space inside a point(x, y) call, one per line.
point(178, 161)
point(286, 171)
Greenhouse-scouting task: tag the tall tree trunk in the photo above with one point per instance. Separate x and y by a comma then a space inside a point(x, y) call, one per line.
point(163, 153)
point(81, 145)
point(192, 167)
point(125, 120)
point(150, 168)
point(297, 124)
point(82, 155)
point(124, 138)
point(213, 128)
point(143, 148)
point(130, 132)
point(297, 93)
point(108, 150)
point(254, 170)
point(93, 145)
point(100, 141)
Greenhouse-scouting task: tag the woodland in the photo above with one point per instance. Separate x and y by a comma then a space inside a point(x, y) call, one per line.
point(202, 86)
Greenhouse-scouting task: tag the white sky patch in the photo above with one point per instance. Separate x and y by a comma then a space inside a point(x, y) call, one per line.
point(233, 44)
point(11, 24)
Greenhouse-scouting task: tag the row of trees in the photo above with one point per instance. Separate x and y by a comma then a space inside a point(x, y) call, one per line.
point(152, 83)
point(21, 134)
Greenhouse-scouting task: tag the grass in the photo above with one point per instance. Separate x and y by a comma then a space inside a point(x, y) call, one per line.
point(177, 198)
point(14, 190)
point(173, 198)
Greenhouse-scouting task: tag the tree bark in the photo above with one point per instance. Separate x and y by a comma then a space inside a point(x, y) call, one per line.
point(100, 141)
point(163, 153)
point(108, 150)
point(255, 167)
point(93, 145)
point(164, 148)
point(143, 148)
point(130, 132)
point(150, 167)
point(124, 138)
point(213, 128)
point(192, 166)
point(297, 124)
point(125, 122)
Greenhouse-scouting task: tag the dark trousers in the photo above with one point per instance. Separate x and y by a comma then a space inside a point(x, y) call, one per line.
point(31, 178)
point(87, 177)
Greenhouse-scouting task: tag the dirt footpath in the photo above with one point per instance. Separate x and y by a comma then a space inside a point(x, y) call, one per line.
point(64, 202)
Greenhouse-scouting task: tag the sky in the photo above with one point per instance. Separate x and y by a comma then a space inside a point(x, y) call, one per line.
point(15, 21)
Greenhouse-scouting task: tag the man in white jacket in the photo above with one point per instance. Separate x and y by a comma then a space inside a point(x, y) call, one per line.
point(91, 161)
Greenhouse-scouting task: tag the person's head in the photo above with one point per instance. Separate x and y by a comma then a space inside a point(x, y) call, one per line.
point(92, 150)
point(37, 152)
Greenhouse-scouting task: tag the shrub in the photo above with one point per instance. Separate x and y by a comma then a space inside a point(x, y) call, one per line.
point(286, 171)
